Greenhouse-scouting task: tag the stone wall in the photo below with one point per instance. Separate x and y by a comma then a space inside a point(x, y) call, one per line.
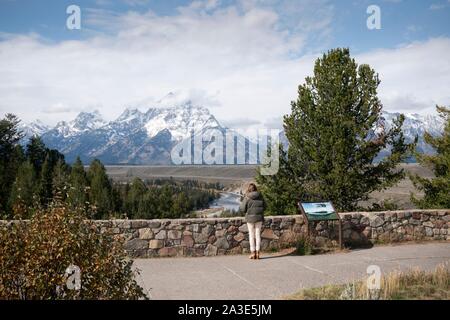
point(218, 236)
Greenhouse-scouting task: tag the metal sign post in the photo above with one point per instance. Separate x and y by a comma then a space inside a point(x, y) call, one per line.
point(320, 211)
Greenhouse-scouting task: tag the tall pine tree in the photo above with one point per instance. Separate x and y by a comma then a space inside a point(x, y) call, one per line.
point(11, 157)
point(77, 194)
point(436, 190)
point(100, 193)
point(24, 189)
point(332, 141)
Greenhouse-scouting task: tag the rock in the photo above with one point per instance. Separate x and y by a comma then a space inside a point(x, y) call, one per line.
point(268, 234)
point(136, 244)
point(376, 222)
point(212, 239)
point(195, 227)
point(320, 226)
point(220, 233)
point(239, 237)
point(288, 237)
point(210, 250)
point(161, 235)
point(236, 250)
point(367, 232)
point(136, 224)
point(187, 241)
point(168, 252)
point(208, 229)
point(428, 232)
point(124, 224)
point(187, 233)
point(174, 234)
point(365, 221)
point(245, 244)
point(146, 233)
point(428, 224)
point(243, 228)
point(154, 224)
point(265, 244)
point(200, 237)
point(156, 244)
point(222, 243)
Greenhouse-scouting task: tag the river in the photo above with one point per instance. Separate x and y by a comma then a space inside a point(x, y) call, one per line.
point(227, 200)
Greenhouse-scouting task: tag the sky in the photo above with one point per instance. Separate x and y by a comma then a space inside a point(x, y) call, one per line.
point(242, 59)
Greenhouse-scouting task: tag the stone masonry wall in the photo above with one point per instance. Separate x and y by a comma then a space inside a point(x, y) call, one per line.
point(218, 236)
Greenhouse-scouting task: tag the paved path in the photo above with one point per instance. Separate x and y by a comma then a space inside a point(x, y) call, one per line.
point(237, 277)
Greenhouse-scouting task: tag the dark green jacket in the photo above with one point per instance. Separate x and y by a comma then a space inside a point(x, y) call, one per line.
point(253, 207)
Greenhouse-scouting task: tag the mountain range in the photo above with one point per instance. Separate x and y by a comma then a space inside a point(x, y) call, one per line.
point(147, 138)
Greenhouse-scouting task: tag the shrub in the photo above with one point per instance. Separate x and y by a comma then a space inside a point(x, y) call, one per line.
point(35, 254)
point(304, 246)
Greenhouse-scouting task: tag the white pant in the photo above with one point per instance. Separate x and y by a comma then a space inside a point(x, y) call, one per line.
point(254, 235)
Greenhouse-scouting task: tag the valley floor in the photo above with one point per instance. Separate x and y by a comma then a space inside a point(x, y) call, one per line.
point(233, 177)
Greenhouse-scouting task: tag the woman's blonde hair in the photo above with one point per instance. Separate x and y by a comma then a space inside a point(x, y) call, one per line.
point(252, 188)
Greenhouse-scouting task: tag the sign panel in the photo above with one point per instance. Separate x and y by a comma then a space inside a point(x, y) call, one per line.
point(318, 211)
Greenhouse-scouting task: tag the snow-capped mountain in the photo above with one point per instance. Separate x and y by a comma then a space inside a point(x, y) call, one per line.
point(147, 137)
point(35, 128)
point(85, 121)
point(135, 137)
point(416, 125)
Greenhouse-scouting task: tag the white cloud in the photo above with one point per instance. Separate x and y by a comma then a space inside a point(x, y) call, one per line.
point(414, 77)
point(238, 59)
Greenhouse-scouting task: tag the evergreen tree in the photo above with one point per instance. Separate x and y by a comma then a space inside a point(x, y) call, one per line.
point(11, 157)
point(24, 188)
point(60, 179)
point(180, 205)
point(135, 197)
point(437, 190)
point(279, 190)
point(77, 196)
point(332, 141)
point(36, 153)
point(100, 194)
point(46, 182)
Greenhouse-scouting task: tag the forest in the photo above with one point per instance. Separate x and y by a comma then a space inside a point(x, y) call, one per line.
point(32, 176)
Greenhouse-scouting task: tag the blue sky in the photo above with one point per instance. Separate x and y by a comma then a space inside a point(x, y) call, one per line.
point(402, 21)
point(236, 57)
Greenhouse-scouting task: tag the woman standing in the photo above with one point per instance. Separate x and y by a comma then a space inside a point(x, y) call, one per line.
point(253, 207)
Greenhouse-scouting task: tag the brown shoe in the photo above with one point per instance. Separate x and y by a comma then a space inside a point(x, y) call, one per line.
point(252, 256)
point(257, 255)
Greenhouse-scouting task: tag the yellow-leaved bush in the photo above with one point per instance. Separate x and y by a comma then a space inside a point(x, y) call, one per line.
point(35, 254)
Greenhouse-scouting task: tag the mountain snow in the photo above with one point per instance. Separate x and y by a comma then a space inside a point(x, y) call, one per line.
point(138, 137)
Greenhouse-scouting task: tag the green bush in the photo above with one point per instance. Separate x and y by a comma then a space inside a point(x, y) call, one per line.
point(304, 246)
